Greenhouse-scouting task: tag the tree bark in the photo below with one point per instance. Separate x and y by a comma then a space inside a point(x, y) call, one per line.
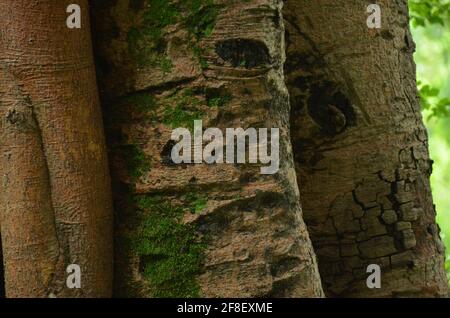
point(197, 229)
point(56, 206)
point(361, 149)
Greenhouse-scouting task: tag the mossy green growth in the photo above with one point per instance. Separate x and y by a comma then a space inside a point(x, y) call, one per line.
point(182, 109)
point(146, 40)
point(145, 51)
point(146, 43)
point(170, 251)
point(197, 202)
point(165, 64)
point(136, 161)
point(142, 102)
point(218, 100)
point(200, 24)
point(202, 17)
point(198, 53)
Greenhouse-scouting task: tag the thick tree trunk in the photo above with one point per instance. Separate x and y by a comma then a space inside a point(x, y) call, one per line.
point(198, 229)
point(361, 148)
point(55, 201)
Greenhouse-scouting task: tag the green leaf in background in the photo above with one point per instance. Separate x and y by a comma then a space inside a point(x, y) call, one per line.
point(431, 11)
point(430, 100)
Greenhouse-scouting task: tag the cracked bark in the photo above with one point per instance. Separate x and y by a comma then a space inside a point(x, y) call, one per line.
point(361, 149)
point(256, 241)
point(56, 206)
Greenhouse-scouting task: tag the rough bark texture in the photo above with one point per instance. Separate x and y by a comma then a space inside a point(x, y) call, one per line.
point(55, 201)
point(190, 230)
point(361, 148)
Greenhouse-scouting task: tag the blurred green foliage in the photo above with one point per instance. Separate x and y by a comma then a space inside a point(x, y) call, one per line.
point(430, 22)
point(431, 101)
point(428, 11)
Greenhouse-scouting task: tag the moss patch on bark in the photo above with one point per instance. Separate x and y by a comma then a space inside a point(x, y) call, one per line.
point(170, 251)
point(146, 38)
point(136, 161)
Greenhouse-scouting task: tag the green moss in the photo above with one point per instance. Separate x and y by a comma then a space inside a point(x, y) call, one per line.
point(170, 251)
point(146, 40)
point(200, 24)
point(146, 43)
point(217, 99)
point(181, 110)
point(180, 117)
point(196, 202)
point(142, 102)
point(136, 161)
point(166, 65)
point(198, 53)
point(201, 18)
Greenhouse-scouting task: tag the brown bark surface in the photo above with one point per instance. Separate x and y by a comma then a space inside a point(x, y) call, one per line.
point(350, 109)
point(225, 66)
point(361, 149)
point(55, 201)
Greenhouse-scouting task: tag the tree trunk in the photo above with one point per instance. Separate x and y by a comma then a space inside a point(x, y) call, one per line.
point(56, 206)
point(361, 149)
point(198, 229)
point(350, 110)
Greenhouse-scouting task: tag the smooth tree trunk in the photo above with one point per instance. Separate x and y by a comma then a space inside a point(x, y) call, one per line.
point(212, 230)
point(361, 149)
point(56, 207)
